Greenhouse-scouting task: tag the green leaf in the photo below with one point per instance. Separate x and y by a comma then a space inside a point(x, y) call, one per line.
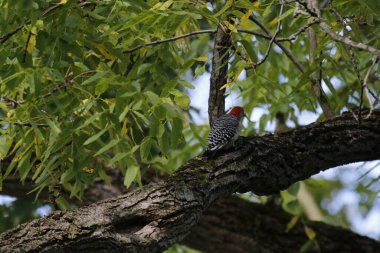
point(62, 203)
point(103, 175)
point(111, 144)
point(101, 87)
point(180, 99)
point(294, 189)
point(250, 50)
point(5, 144)
point(53, 126)
point(94, 137)
point(292, 222)
point(95, 77)
point(131, 174)
point(199, 70)
point(153, 98)
point(224, 8)
point(145, 148)
point(310, 232)
point(118, 157)
point(88, 121)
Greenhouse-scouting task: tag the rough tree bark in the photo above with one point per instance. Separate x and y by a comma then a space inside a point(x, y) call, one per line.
point(264, 231)
point(219, 71)
point(153, 218)
point(232, 224)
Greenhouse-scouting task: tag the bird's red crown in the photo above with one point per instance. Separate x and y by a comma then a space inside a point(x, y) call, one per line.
point(237, 111)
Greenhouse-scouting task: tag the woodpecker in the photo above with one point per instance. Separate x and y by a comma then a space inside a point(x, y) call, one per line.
point(225, 131)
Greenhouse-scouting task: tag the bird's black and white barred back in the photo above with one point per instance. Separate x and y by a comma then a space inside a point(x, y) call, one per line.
point(225, 130)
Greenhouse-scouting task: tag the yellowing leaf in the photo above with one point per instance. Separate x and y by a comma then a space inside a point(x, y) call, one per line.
point(273, 22)
point(230, 26)
point(88, 170)
point(124, 129)
point(256, 4)
point(40, 23)
point(131, 174)
point(203, 59)
point(225, 7)
point(292, 222)
point(31, 44)
point(63, 2)
point(310, 232)
point(244, 20)
point(104, 51)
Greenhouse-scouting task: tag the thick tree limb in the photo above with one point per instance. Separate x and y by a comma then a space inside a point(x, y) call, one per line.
point(260, 229)
point(151, 219)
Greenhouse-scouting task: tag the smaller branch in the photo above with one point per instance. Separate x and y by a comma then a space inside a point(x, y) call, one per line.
point(18, 123)
point(290, 38)
point(365, 88)
point(154, 43)
point(347, 41)
point(157, 42)
point(299, 31)
point(283, 48)
point(255, 65)
point(11, 101)
point(316, 77)
point(26, 46)
point(7, 36)
point(327, 29)
point(255, 33)
point(300, 67)
point(354, 62)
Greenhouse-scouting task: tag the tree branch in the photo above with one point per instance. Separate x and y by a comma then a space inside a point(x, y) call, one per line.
point(235, 225)
point(157, 42)
point(256, 64)
point(151, 219)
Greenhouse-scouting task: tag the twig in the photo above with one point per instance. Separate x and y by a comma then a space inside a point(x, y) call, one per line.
point(26, 46)
point(365, 88)
point(255, 33)
point(287, 52)
point(299, 31)
point(18, 123)
point(7, 36)
point(289, 38)
point(255, 65)
point(316, 77)
point(169, 39)
point(11, 100)
point(339, 38)
point(354, 62)
point(157, 42)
